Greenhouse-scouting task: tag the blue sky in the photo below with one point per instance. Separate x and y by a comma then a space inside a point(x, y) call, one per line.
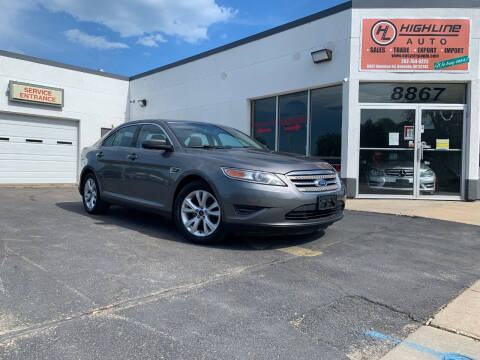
point(128, 37)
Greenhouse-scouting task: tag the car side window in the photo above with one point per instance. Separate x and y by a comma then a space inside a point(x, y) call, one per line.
point(150, 132)
point(124, 137)
point(109, 140)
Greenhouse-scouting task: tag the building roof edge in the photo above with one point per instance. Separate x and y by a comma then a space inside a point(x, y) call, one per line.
point(61, 65)
point(319, 15)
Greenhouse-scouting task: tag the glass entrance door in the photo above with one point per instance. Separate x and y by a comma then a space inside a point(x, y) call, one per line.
point(439, 152)
point(411, 152)
point(387, 152)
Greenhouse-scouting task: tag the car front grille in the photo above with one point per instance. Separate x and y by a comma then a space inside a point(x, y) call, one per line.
point(399, 172)
point(311, 212)
point(308, 181)
point(399, 185)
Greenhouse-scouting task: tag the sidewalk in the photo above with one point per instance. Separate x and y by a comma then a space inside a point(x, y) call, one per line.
point(454, 333)
point(457, 211)
point(455, 330)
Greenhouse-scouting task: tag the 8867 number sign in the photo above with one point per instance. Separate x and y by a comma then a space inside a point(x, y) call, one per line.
point(415, 94)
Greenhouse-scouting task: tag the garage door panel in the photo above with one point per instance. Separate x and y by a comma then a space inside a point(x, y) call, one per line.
point(34, 157)
point(35, 121)
point(40, 127)
point(37, 162)
point(37, 148)
point(42, 133)
point(26, 165)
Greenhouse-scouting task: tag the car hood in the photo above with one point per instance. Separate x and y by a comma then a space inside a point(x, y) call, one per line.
point(253, 159)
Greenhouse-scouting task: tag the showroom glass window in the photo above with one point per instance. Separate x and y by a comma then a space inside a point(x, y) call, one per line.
point(264, 126)
point(286, 123)
point(326, 123)
point(292, 119)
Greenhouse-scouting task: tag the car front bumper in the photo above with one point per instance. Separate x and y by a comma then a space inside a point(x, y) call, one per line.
point(427, 183)
point(255, 206)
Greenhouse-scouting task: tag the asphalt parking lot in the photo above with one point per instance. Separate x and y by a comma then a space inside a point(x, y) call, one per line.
point(125, 285)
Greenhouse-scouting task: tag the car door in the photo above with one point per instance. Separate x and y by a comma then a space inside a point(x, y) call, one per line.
point(149, 171)
point(112, 158)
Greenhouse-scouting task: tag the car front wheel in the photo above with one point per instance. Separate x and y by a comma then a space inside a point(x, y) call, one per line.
point(198, 214)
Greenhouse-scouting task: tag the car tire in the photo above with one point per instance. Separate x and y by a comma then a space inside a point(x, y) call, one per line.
point(92, 201)
point(198, 214)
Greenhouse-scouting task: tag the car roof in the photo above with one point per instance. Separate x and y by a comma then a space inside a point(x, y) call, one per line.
point(166, 122)
point(133, 122)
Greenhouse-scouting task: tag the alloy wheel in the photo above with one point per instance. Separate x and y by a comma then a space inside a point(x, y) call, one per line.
point(200, 213)
point(90, 194)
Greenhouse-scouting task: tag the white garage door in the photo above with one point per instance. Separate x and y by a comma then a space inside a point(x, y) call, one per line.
point(36, 150)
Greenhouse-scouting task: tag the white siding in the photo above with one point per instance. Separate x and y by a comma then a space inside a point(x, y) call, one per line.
point(91, 102)
point(472, 141)
point(218, 88)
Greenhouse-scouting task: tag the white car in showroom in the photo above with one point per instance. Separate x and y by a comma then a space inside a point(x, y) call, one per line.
point(400, 177)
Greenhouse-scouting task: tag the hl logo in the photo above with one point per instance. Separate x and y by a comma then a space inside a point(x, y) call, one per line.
point(383, 32)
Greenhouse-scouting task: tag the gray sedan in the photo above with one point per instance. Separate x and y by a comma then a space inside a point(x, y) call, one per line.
point(210, 179)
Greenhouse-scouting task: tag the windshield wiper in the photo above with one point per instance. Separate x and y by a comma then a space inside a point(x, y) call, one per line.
point(210, 147)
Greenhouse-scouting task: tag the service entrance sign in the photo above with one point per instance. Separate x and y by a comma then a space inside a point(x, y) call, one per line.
point(415, 45)
point(35, 94)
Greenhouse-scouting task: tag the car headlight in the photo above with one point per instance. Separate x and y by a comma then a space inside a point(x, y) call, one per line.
point(254, 176)
point(375, 172)
point(427, 173)
point(337, 179)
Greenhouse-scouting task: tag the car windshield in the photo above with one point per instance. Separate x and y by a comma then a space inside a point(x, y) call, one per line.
point(198, 135)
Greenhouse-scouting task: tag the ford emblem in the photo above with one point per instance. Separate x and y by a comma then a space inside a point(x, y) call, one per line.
point(320, 182)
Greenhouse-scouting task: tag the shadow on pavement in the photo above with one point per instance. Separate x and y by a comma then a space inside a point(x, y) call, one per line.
point(155, 225)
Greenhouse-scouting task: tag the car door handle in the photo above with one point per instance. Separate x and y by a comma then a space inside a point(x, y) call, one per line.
point(132, 156)
point(100, 154)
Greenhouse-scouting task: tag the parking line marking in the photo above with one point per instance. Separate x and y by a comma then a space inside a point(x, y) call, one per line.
point(417, 347)
point(24, 258)
point(300, 251)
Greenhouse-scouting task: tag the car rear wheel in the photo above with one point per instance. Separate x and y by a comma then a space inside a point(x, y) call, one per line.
point(198, 214)
point(92, 201)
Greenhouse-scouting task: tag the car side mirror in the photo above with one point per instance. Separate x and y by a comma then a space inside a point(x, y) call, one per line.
point(157, 145)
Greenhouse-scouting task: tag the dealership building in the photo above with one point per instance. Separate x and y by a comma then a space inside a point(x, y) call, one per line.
point(386, 91)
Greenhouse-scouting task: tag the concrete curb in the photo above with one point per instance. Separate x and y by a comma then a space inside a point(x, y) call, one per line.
point(455, 211)
point(462, 315)
point(455, 330)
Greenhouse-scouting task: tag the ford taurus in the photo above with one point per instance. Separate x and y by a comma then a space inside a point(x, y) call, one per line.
point(210, 179)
